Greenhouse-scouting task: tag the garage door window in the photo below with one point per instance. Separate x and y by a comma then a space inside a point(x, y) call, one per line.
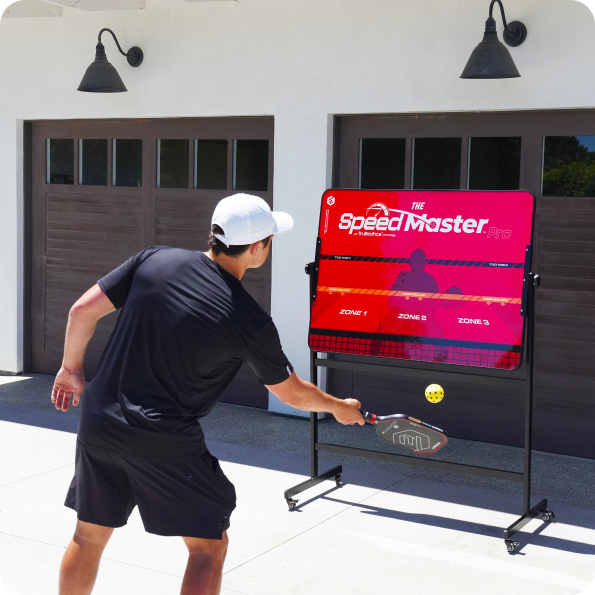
point(495, 163)
point(437, 163)
point(93, 162)
point(173, 159)
point(382, 163)
point(60, 161)
point(128, 163)
point(251, 165)
point(210, 164)
point(569, 166)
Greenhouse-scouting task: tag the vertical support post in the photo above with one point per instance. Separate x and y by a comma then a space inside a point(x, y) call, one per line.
point(313, 421)
point(532, 280)
point(312, 270)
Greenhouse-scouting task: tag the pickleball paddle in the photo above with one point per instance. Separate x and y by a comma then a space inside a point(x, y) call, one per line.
point(407, 432)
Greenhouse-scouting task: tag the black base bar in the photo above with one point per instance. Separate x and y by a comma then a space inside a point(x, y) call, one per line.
point(528, 310)
point(538, 509)
point(310, 483)
point(525, 519)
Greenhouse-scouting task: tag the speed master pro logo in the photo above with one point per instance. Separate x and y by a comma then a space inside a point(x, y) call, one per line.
point(379, 220)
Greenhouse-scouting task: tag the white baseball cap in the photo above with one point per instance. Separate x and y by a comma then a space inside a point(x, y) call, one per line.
point(246, 219)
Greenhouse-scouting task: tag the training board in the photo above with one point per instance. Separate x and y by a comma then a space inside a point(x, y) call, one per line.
point(433, 276)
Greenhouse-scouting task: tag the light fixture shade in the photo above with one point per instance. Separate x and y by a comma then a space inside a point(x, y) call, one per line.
point(490, 59)
point(101, 76)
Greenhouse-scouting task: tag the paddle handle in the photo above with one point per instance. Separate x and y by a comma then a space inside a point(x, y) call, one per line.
point(367, 416)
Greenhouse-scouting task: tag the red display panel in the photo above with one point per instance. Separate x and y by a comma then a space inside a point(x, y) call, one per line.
point(423, 275)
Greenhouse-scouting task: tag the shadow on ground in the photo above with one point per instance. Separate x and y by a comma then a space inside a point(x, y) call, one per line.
point(259, 438)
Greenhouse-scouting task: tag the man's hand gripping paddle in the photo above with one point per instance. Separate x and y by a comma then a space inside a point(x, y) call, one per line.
point(407, 432)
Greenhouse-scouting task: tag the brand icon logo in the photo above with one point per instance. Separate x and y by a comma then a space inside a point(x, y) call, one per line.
point(331, 200)
point(378, 209)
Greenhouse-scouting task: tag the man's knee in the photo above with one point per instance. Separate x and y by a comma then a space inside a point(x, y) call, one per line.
point(212, 548)
point(88, 535)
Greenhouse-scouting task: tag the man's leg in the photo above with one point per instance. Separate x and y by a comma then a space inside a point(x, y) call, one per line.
point(81, 560)
point(205, 566)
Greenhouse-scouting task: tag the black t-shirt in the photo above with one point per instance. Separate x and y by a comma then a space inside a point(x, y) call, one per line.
point(185, 329)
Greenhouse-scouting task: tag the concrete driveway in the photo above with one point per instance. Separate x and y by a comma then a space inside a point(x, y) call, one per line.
point(391, 528)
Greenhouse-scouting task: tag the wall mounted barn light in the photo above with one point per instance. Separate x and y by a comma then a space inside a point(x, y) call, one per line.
point(490, 59)
point(101, 76)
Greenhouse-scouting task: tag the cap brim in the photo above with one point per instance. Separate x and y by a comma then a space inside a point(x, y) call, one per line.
point(283, 222)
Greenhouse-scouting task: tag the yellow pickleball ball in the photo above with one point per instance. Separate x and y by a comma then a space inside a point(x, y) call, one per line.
point(434, 393)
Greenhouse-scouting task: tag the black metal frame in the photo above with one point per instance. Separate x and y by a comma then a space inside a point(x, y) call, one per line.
point(532, 281)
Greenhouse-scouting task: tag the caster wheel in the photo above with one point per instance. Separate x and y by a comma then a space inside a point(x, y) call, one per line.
point(338, 481)
point(511, 546)
point(547, 515)
point(291, 503)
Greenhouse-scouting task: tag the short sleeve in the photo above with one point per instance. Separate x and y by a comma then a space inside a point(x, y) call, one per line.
point(265, 355)
point(116, 285)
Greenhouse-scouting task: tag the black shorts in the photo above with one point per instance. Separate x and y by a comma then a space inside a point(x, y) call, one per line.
point(175, 497)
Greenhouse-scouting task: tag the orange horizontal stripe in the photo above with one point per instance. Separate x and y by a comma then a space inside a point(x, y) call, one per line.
point(420, 295)
point(414, 294)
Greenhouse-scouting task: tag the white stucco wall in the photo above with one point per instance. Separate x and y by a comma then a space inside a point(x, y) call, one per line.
point(298, 60)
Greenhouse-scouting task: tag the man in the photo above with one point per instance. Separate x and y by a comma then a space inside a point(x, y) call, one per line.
point(186, 326)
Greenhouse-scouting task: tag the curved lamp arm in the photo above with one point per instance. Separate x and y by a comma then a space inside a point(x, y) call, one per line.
point(515, 33)
point(491, 14)
point(117, 42)
point(134, 54)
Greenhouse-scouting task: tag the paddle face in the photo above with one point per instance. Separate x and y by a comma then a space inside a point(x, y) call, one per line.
point(416, 437)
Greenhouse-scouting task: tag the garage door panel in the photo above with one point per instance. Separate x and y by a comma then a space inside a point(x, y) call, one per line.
point(53, 199)
point(81, 233)
point(564, 257)
point(85, 236)
point(95, 218)
point(115, 258)
point(124, 246)
point(196, 199)
point(113, 228)
point(62, 293)
point(84, 278)
point(72, 207)
point(174, 241)
point(184, 222)
point(192, 210)
point(76, 265)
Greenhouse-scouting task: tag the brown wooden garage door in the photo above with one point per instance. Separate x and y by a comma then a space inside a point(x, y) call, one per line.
point(551, 154)
point(104, 190)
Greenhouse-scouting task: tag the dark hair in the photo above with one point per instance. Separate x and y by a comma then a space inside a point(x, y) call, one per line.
point(218, 247)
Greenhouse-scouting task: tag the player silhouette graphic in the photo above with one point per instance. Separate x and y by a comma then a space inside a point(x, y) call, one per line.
point(416, 279)
point(413, 317)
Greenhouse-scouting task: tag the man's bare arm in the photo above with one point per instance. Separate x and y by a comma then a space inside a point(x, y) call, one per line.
point(82, 321)
point(303, 395)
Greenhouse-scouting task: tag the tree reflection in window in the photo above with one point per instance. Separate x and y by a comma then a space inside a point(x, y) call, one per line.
point(569, 166)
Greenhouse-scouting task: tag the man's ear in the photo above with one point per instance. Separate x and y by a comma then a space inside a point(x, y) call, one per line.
point(254, 248)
